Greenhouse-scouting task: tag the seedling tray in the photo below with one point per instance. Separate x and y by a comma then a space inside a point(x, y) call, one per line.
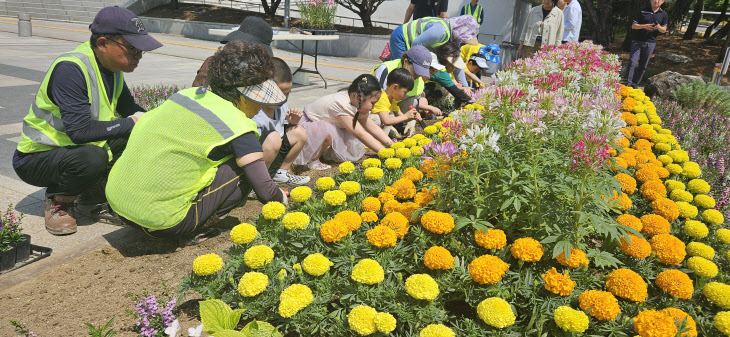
point(36, 253)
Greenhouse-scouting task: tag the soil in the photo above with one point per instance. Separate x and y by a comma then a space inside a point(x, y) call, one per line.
point(703, 53)
point(208, 13)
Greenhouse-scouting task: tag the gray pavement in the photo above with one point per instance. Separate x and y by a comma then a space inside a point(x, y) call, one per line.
point(23, 63)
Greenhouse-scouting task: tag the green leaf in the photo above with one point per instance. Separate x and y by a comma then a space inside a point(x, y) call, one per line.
point(261, 329)
point(216, 315)
point(229, 333)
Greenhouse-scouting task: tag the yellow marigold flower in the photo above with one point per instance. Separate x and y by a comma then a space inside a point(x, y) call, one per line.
point(436, 330)
point(418, 137)
point(333, 231)
point(681, 195)
point(653, 189)
point(577, 258)
point(369, 216)
point(680, 316)
point(570, 319)
point(666, 160)
point(646, 174)
point(258, 256)
point(627, 284)
point(398, 145)
point(667, 209)
point(347, 167)
point(437, 222)
point(718, 294)
point(662, 147)
point(384, 197)
point(207, 264)
point(670, 250)
point(674, 185)
point(393, 163)
point(397, 222)
point(713, 217)
point(678, 156)
point(408, 209)
point(316, 264)
point(252, 284)
point(631, 221)
point(325, 183)
point(273, 210)
point(300, 194)
point(370, 204)
point(653, 323)
point(371, 162)
point(410, 142)
point(492, 239)
point(429, 130)
point(391, 206)
point(698, 186)
point(293, 299)
point(402, 153)
point(386, 153)
point(368, 271)
point(700, 249)
point(487, 269)
point(334, 198)
point(676, 283)
point(674, 168)
point(350, 187)
point(702, 267)
point(691, 170)
point(362, 320)
point(722, 322)
point(602, 304)
point(413, 174)
point(295, 220)
point(653, 224)
point(423, 198)
point(243, 233)
point(695, 229)
point(373, 173)
point(424, 142)
point(350, 219)
point(438, 257)
point(638, 247)
point(422, 287)
point(527, 249)
point(385, 322)
point(704, 201)
point(416, 151)
point(405, 188)
point(628, 184)
point(686, 210)
point(723, 234)
point(496, 312)
point(557, 283)
point(382, 236)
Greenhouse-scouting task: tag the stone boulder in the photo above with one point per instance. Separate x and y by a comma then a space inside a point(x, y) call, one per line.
point(661, 85)
point(674, 57)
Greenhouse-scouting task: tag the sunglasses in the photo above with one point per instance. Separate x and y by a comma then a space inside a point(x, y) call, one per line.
point(132, 49)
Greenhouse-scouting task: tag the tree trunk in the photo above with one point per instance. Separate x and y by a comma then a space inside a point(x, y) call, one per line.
point(721, 18)
point(678, 11)
point(722, 32)
point(270, 10)
point(175, 4)
point(633, 8)
point(601, 23)
point(721, 56)
point(696, 16)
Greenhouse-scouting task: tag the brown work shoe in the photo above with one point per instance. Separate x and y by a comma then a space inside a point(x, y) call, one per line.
point(60, 215)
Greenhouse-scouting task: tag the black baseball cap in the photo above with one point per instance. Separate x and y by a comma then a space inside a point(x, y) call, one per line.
point(121, 21)
point(255, 30)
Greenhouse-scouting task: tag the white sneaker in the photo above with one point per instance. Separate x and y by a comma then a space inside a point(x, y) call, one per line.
point(291, 179)
point(318, 165)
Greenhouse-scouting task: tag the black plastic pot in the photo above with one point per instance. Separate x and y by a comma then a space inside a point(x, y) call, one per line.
point(7, 258)
point(23, 249)
point(319, 31)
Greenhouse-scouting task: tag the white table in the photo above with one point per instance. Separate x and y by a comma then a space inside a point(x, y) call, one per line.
point(289, 37)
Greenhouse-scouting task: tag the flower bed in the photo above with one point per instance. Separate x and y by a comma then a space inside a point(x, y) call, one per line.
point(546, 208)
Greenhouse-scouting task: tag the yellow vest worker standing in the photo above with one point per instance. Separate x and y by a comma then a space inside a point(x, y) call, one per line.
point(474, 9)
point(71, 136)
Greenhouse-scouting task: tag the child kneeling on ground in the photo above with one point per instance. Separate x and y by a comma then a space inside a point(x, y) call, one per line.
point(279, 133)
point(338, 125)
point(386, 113)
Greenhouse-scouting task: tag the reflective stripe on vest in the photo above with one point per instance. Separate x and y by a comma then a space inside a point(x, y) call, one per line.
point(413, 29)
point(204, 113)
point(477, 12)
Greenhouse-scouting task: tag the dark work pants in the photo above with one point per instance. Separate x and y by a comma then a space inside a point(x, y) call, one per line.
point(70, 170)
point(639, 57)
point(228, 189)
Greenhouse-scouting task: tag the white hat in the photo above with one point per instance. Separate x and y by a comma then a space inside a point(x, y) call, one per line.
point(435, 63)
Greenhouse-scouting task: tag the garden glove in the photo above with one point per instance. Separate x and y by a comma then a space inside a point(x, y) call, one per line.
point(410, 128)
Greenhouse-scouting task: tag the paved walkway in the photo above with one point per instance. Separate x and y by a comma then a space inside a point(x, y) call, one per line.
point(23, 63)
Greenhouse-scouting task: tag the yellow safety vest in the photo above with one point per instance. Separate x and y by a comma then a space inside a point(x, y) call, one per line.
point(418, 83)
point(414, 28)
point(476, 13)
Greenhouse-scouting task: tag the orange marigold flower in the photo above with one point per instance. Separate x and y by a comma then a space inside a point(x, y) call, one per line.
point(629, 118)
point(407, 209)
point(626, 132)
point(487, 269)
point(628, 104)
point(333, 231)
point(527, 249)
point(437, 222)
point(640, 132)
point(396, 221)
point(646, 174)
point(423, 198)
point(653, 224)
point(675, 282)
point(666, 208)
point(412, 174)
point(680, 316)
point(653, 189)
point(438, 257)
point(631, 221)
point(653, 323)
point(369, 216)
point(638, 247)
point(371, 204)
point(557, 283)
point(642, 145)
point(384, 197)
point(391, 206)
point(350, 219)
point(382, 236)
point(624, 202)
point(623, 142)
point(670, 250)
point(660, 171)
point(628, 184)
point(602, 304)
point(405, 188)
point(629, 157)
point(619, 162)
point(577, 258)
point(491, 239)
point(627, 284)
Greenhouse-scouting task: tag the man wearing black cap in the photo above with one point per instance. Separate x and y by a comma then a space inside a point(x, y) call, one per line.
point(253, 29)
point(71, 135)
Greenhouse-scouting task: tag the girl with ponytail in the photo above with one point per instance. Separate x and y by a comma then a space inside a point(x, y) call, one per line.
point(338, 127)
